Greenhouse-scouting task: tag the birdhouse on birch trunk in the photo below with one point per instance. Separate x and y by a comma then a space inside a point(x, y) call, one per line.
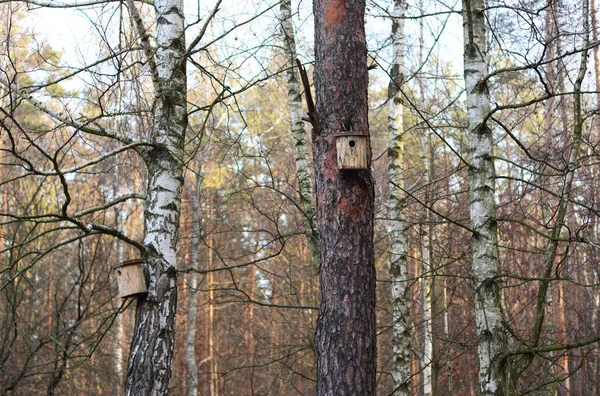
point(351, 150)
point(130, 278)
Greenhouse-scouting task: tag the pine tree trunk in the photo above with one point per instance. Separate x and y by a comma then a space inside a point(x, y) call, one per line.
point(307, 203)
point(151, 354)
point(484, 243)
point(345, 339)
point(397, 226)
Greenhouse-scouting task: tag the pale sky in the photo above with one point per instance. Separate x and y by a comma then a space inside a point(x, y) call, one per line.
point(71, 30)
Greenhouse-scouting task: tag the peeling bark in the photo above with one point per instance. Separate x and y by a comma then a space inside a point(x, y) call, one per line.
point(397, 226)
point(345, 339)
point(151, 355)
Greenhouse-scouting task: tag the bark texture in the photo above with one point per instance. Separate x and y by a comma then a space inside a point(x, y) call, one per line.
point(491, 337)
point(397, 226)
point(305, 188)
point(345, 339)
point(151, 355)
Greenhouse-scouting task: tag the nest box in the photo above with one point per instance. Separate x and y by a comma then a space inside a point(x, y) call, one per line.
point(130, 278)
point(351, 150)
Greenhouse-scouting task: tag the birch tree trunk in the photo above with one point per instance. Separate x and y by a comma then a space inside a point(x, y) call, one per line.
point(213, 375)
point(345, 338)
point(491, 337)
point(397, 226)
point(307, 203)
point(151, 355)
point(427, 287)
point(449, 361)
point(192, 309)
point(428, 278)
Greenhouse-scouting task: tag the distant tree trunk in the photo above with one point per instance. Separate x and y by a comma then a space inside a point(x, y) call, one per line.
point(428, 274)
point(212, 338)
point(447, 335)
point(305, 188)
point(397, 226)
point(551, 38)
point(595, 279)
point(596, 52)
point(119, 321)
point(345, 339)
point(151, 354)
point(551, 248)
point(550, 131)
point(427, 286)
point(491, 337)
point(192, 309)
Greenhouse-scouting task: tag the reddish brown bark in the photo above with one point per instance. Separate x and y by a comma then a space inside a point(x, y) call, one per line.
point(345, 341)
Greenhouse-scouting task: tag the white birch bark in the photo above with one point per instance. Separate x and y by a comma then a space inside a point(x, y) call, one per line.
point(491, 337)
point(427, 290)
point(300, 134)
point(397, 226)
point(428, 274)
point(427, 277)
point(151, 354)
point(192, 309)
point(449, 362)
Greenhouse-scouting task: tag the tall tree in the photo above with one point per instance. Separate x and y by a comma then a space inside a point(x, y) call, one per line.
point(305, 188)
point(552, 259)
point(397, 226)
point(345, 339)
point(428, 360)
point(151, 354)
point(491, 337)
point(192, 308)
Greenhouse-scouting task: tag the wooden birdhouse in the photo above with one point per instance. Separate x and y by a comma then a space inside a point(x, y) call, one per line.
point(130, 278)
point(351, 150)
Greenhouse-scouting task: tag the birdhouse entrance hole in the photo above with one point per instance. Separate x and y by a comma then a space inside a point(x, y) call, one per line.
point(351, 151)
point(130, 278)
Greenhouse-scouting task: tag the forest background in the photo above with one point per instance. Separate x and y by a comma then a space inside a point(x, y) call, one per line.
point(77, 113)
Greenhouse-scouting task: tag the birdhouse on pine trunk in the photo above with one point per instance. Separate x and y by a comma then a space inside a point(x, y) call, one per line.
point(130, 278)
point(351, 150)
